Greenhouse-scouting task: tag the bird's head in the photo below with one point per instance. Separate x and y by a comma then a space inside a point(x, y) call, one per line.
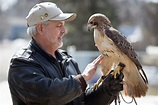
point(98, 20)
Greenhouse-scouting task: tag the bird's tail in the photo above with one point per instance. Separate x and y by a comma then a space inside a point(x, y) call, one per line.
point(136, 83)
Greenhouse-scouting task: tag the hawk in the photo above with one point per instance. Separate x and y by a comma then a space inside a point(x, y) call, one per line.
point(115, 48)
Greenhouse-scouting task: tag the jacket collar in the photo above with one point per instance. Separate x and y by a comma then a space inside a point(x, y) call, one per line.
point(37, 48)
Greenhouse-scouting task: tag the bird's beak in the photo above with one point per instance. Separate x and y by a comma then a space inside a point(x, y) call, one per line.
point(89, 27)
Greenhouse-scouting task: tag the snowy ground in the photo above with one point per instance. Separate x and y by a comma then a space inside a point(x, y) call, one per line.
point(5, 98)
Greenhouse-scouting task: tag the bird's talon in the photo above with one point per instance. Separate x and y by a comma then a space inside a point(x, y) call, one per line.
point(118, 69)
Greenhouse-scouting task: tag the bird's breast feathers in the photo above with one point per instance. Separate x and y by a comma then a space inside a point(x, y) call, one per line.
point(105, 45)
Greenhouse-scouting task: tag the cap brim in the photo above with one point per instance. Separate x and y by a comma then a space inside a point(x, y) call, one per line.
point(65, 17)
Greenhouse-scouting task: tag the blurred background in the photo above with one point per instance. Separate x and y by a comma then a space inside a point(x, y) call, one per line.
point(136, 19)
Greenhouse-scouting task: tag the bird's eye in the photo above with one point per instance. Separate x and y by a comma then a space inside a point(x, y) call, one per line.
point(94, 23)
point(91, 22)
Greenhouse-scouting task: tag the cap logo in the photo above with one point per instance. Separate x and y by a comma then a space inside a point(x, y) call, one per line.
point(43, 16)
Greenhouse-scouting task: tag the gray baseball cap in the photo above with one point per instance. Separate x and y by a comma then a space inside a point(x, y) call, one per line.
point(47, 11)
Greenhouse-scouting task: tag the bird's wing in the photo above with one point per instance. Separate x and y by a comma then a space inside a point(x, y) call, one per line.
point(122, 43)
point(126, 48)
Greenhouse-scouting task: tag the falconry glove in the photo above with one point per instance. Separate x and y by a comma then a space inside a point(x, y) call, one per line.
point(111, 85)
point(106, 91)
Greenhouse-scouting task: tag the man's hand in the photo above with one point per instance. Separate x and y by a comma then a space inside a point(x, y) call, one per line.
point(90, 70)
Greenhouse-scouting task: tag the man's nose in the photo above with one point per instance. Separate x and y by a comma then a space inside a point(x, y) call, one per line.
point(64, 30)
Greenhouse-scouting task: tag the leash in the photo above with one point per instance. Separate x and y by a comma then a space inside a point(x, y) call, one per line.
point(118, 97)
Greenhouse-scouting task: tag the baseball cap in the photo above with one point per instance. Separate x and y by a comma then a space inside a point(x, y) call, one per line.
point(47, 11)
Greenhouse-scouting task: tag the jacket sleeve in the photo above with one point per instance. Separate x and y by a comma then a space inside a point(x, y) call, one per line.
point(28, 81)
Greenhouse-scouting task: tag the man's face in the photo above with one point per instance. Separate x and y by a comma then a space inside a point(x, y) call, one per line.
point(53, 33)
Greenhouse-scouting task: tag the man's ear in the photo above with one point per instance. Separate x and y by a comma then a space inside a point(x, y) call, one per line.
point(39, 28)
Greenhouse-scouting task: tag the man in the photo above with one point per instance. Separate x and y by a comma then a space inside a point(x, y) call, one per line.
point(42, 74)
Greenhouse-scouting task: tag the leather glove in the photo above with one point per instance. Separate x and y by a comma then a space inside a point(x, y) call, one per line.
point(112, 85)
point(106, 91)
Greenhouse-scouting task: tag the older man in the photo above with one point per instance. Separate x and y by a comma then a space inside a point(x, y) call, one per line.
point(42, 74)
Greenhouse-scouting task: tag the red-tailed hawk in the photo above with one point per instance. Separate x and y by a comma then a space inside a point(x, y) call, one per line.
point(115, 48)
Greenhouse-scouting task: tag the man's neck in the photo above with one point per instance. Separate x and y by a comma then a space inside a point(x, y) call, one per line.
point(48, 48)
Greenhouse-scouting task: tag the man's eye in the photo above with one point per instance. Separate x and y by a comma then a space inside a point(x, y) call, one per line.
point(59, 25)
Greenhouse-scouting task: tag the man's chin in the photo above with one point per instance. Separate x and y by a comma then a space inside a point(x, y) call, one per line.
point(61, 45)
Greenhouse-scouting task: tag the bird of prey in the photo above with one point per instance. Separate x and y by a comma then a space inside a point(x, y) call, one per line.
point(115, 48)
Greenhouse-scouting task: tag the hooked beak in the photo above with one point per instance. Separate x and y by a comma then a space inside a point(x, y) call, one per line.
point(89, 27)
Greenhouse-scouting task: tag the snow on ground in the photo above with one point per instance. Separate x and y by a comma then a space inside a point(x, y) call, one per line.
point(5, 98)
